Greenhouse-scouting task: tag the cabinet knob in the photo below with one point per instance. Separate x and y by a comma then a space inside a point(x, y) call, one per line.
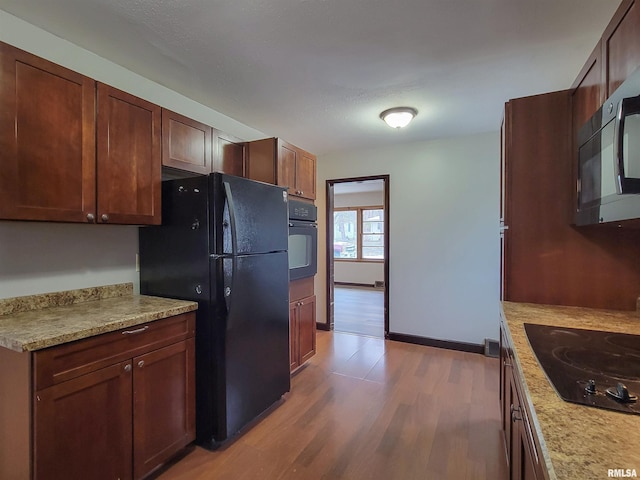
point(141, 363)
point(90, 217)
point(127, 367)
point(104, 217)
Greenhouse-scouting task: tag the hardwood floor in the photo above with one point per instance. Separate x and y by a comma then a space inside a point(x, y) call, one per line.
point(366, 408)
point(359, 310)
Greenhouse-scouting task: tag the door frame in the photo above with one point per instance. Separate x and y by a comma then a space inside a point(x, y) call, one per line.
point(329, 243)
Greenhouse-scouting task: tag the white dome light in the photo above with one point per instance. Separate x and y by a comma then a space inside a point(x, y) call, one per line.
point(398, 117)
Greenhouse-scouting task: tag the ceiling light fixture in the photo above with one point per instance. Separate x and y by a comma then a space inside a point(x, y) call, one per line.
point(398, 117)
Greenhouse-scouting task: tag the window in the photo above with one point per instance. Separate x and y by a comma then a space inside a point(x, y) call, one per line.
point(358, 233)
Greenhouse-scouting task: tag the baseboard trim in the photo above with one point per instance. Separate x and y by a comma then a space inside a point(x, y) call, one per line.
point(348, 284)
point(432, 342)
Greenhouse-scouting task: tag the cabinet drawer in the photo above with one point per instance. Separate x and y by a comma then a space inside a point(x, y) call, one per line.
point(64, 362)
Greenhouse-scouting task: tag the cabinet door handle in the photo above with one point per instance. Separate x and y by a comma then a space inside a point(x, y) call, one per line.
point(90, 217)
point(514, 413)
point(141, 363)
point(506, 364)
point(127, 367)
point(137, 330)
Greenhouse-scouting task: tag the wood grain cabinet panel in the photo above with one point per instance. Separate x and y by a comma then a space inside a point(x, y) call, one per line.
point(273, 160)
point(163, 413)
point(302, 321)
point(307, 328)
point(74, 150)
point(521, 445)
point(621, 45)
point(128, 158)
point(82, 427)
point(186, 143)
point(47, 140)
point(115, 410)
point(546, 259)
point(229, 155)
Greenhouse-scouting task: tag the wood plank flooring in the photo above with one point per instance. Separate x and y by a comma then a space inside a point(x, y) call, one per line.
point(359, 310)
point(368, 408)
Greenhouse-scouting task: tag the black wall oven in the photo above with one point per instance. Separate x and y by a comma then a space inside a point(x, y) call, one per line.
point(303, 240)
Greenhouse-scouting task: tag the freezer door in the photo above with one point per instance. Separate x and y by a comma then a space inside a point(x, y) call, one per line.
point(254, 217)
point(257, 335)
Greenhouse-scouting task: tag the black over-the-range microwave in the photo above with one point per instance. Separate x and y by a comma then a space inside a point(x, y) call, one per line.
point(608, 184)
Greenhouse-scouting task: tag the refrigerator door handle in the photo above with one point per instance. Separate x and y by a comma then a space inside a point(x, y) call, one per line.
point(232, 218)
point(228, 289)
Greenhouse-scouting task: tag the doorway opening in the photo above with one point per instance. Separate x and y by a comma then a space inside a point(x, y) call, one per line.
point(358, 255)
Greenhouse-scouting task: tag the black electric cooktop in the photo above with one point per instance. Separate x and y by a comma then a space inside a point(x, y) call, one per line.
point(589, 367)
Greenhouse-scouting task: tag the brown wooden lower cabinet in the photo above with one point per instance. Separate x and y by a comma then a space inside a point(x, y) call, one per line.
point(302, 321)
point(112, 406)
point(521, 449)
point(302, 331)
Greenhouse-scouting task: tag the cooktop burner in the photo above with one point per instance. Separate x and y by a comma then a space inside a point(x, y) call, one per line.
point(589, 367)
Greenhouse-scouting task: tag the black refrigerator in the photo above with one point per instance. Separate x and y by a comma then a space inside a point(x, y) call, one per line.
point(223, 243)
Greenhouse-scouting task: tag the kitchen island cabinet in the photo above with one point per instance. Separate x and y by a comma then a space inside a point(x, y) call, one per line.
point(109, 404)
point(571, 440)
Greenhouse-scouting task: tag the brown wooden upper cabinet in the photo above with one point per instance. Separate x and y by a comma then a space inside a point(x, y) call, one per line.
point(47, 140)
point(69, 156)
point(195, 147)
point(621, 45)
point(273, 160)
point(186, 143)
point(229, 154)
point(129, 160)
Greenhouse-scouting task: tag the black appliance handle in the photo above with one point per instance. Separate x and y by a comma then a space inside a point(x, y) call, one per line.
point(228, 289)
point(232, 218)
point(626, 107)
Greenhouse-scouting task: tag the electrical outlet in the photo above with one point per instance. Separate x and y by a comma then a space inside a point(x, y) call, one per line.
point(137, 262)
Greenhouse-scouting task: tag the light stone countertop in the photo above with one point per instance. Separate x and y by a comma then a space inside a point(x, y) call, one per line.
point(578, 442)
point(40, 321)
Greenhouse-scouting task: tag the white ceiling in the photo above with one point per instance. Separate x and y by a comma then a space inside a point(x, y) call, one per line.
point(365, 186)
point(318, 72)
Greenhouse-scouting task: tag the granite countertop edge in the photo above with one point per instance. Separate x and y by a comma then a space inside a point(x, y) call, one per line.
point(576, 441)
point(35, 329)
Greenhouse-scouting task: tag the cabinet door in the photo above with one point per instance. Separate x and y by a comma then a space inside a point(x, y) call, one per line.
point(82, 427)
point(186, 143)
point(307, 328)
point(129, 158)
point(306, 175)
point(621, 45)
point(164, 404)
point(47, 140)
point(294, 352)
point(287, 157)
point(230, 155)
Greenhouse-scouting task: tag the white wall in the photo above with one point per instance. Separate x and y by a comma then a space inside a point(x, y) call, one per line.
point(39, 257)
point(444, 238)
point(44, 257)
